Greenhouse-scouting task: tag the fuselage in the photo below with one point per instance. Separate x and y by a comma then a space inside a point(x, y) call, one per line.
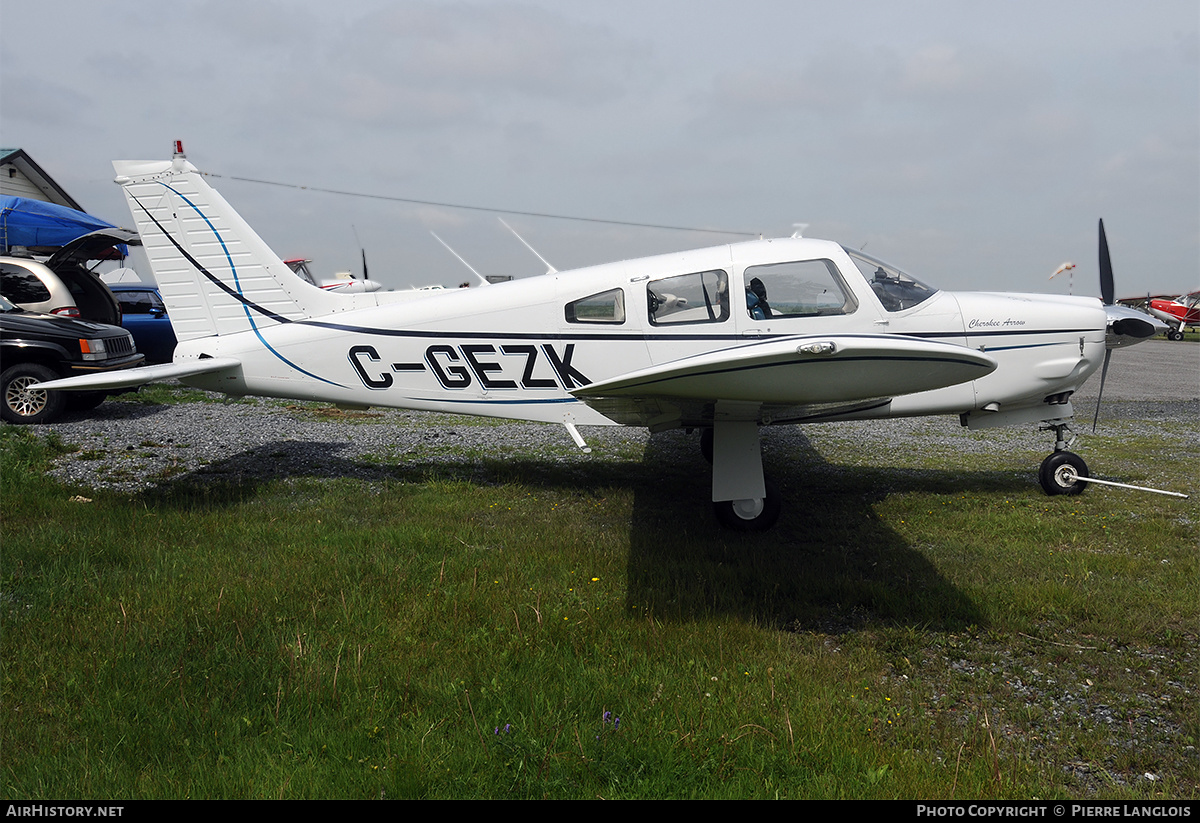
point(519, 349)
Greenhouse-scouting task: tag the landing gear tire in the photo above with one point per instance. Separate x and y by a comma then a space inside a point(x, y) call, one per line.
point(24, 405)
point(750, 515)
point(1175, 334)
point(1060, 472)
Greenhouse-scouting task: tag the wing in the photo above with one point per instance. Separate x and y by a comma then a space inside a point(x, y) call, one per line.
point(139, 376)
point(797, 377)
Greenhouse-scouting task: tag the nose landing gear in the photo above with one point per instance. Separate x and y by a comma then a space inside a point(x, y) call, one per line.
point(1060, 473)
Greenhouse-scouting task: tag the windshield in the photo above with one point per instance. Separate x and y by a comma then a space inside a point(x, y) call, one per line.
point(895, 289)
point(6, 306)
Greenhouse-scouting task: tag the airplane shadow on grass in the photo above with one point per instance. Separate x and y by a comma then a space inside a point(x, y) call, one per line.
point(830, 564)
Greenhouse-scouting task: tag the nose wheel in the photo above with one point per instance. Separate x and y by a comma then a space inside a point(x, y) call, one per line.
point(1060, 473)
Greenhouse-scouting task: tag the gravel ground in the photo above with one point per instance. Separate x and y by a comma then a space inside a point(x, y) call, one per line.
point(129, 446)
point(1154, 370)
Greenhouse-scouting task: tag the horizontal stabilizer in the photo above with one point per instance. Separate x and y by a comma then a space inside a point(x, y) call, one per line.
point(145, 374)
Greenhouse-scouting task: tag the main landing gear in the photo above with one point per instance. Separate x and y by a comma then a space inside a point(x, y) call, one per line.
point(743, 499)
point(752, 514)
point(1060, 472)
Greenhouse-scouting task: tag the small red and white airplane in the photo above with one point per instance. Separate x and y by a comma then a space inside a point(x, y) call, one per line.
point(344, 282)
point(723, 340)
point(1179, 313)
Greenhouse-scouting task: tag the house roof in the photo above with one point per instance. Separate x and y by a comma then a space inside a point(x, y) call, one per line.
point(14, 162)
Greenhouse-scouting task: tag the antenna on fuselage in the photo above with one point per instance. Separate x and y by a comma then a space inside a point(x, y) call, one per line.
point(482, 279)
point(550, 269)
point(799, 229)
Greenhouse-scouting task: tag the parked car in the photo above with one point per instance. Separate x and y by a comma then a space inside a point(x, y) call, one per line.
point(144, 315)
point(35, 348)
point(63, 284)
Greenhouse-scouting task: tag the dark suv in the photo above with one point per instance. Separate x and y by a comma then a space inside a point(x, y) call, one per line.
point(35, 348)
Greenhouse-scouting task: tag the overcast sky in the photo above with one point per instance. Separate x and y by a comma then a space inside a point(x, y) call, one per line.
point(973, 144)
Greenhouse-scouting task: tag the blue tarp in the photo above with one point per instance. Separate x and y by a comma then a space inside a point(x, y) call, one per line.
point(31, 223)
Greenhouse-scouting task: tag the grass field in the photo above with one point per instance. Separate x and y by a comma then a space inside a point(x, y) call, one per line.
point(921, 624)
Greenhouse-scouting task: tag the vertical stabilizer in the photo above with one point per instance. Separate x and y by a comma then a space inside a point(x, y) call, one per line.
point(216, 275)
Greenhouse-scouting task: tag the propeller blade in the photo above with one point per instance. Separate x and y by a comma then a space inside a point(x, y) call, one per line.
point(1107, 291)
point(1103, 375)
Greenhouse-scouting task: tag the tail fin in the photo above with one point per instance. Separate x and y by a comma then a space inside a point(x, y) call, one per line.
point(217, 276)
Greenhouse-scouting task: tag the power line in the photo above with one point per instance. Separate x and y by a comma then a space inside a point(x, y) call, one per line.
point(414, 201)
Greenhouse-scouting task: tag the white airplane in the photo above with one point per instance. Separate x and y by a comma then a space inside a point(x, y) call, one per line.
point(724, 340)
point(343, 281)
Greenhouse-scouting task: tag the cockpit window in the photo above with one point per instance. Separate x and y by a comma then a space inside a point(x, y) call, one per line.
point(702, 297)
point(896, 290)
point(808, 288)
